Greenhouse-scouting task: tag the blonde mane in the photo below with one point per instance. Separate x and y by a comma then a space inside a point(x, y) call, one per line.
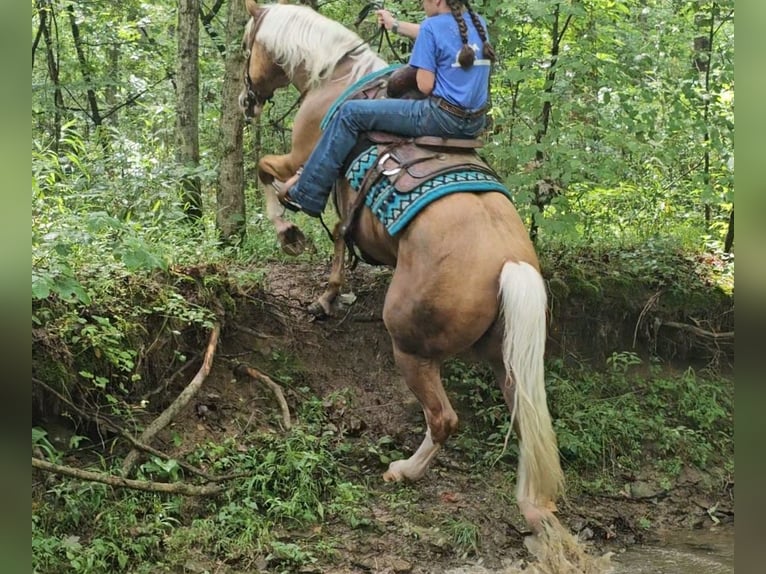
point(297, 36)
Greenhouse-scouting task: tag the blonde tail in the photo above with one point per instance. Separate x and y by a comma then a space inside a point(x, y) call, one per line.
point(540, 478)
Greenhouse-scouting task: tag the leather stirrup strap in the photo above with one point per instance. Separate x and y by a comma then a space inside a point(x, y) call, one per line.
point(370, 178)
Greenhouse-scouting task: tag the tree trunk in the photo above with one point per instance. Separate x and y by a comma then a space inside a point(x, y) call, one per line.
point(45, 10)
point(207, 24)
point(230, 212)
point(542, 194)
point(95, 114)
point(729, 242)
point(187, 105)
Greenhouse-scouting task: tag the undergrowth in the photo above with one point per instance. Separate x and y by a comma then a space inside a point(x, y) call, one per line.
point(124, 289)
point(290, 483)
point(626, 418)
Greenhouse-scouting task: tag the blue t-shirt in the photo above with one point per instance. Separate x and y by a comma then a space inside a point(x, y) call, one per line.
point(436, 49)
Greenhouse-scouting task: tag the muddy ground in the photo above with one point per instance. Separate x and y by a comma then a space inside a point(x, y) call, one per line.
point(351, 353)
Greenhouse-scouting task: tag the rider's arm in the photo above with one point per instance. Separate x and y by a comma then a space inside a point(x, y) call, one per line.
point(426, 80)
point(387, 20)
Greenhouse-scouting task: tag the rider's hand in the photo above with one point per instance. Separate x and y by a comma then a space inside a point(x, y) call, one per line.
point(385, 18)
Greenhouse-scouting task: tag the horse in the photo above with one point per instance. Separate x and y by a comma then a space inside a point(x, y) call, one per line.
point(466, 279)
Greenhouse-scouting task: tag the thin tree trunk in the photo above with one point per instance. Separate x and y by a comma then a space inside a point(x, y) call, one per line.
point(187, 105)
point(95, 114)
point(541, 199)
point(729, 241)
point(230, 212)
point(207, 24)
point(111, 89)
point(45, 9)
point(703, 62)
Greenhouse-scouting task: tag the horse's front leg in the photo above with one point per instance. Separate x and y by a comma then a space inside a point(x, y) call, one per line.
point(281, 168)
point(324, 306)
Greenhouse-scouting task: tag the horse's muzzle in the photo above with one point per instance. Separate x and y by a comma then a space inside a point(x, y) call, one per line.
point(248, 104)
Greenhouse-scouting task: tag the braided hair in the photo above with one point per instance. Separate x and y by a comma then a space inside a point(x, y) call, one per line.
point(467, 56)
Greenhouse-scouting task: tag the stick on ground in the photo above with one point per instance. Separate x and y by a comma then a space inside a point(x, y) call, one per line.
point(118, 481)
point(275, 388)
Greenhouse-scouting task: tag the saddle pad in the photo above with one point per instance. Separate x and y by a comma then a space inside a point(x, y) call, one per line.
point(355, 87)
point(396, 210)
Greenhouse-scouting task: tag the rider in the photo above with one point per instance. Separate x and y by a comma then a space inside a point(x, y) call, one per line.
point(452, 55)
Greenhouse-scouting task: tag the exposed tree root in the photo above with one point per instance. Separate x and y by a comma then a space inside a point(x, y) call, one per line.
point(177, 405)
point(242, 369)
point(699, 331)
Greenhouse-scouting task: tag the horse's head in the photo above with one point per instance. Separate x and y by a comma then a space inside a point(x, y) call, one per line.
point(263, 76)
point(287, 43)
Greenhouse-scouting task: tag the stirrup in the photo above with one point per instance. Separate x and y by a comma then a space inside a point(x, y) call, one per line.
point(284, 198)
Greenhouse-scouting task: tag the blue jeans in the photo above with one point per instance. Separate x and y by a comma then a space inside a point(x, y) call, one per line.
point(409, 118)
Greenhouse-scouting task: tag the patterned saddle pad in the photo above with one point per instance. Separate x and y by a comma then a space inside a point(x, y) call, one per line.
point(395, 209)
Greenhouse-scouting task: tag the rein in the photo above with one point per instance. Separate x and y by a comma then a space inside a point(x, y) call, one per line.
point(380, 33)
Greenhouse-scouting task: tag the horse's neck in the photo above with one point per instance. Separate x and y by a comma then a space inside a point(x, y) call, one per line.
point(338, 81)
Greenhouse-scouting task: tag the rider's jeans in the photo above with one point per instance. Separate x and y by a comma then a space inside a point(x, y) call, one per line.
point(403, 117)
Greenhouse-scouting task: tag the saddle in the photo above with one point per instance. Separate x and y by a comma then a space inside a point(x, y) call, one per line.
point(410, 162)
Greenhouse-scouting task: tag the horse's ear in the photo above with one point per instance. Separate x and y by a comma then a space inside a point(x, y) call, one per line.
point(252, 8)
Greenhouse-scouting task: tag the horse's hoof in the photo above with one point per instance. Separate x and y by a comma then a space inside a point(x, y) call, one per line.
point(396, 472)
point(389, 476)
point(292, 240)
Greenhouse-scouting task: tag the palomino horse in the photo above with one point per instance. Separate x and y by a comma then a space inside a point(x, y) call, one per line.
point(466, 278)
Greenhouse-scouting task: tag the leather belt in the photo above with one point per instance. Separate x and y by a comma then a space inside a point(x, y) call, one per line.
point(458, 111)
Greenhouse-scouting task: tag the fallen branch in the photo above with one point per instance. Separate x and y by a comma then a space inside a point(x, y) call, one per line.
point(698, 331)
point(177, 405)
point(242, 369)
point(118, 481)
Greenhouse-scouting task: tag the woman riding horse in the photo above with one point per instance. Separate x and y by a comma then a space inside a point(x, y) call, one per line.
point(448, 71)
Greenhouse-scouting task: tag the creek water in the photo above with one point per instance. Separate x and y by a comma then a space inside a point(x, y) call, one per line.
point(678, 552)
point(690, 552)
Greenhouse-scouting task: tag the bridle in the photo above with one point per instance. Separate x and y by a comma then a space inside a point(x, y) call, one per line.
point(253, 97)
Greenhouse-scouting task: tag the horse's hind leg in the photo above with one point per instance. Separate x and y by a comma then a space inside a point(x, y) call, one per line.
point(424, 380)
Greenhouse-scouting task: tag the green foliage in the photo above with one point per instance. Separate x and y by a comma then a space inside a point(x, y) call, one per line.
point(290, 483)
point(622, 419)
point(463, 534)
point(71, 532)
point(40, 440)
